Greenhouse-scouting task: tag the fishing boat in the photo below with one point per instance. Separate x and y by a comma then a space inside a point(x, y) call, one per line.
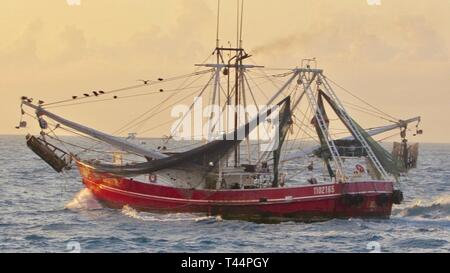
point(232, 170)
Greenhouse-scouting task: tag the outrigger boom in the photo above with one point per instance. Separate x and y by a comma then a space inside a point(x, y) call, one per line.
point(119, 143)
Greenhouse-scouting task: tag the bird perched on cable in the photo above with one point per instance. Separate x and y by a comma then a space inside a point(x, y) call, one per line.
point(160, 79)
point(161, 90)
point(144, 81)
point(74, 97)
point(30, 100)
point(101, 92)
point(95, 93)
point(86, 95)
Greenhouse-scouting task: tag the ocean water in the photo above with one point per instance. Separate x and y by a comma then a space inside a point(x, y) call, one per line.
point(41, 211)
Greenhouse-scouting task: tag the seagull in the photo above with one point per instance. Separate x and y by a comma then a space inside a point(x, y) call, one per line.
point(144, 81)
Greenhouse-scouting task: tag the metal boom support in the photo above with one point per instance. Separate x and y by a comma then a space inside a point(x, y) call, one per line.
point(323, 127)
point(352, 126)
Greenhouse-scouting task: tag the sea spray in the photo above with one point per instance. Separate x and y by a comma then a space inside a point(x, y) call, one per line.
point(84, 200)
point(172, 217)
point(438, 208)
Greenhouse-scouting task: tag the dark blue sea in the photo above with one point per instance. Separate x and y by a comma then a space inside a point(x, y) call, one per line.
point(42, 211)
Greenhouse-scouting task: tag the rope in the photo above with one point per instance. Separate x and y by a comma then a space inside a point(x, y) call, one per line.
point(367, 111)
point(360, 99)
point(180, 100)
point(123, 97)
point(129, 124)
point(133, 87)
point(298, 132)
point(150, 112)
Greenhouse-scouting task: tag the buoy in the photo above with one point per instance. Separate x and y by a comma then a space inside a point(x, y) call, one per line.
point(352, 200)
point(152, 178)
point(382, 199)
point(347, 199)
point(360, 168)
point(43, 124)
point(397, 197)
point(358, 199)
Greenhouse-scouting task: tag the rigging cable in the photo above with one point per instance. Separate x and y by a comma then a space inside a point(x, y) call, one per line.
point(191, 106)
point(131, 87)
point(122, 97)
point(367, 111)
point(150, 112)
point(360, 99)
point(178, 101)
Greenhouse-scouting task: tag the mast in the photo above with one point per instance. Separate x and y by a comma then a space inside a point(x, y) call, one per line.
point(236, 103)
point(238, 72)
point(217, 30)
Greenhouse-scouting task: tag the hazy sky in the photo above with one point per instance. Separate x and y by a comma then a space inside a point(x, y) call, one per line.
point(396, 55)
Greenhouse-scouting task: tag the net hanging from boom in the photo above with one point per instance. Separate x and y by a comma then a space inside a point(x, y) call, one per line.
point(205, 157)
point(389, 162)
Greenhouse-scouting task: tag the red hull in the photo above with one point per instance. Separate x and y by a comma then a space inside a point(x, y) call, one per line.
point(371, 199)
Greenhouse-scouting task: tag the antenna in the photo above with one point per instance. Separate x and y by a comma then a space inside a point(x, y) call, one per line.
point(218, 23)
point(242, 20)
point(237, 25)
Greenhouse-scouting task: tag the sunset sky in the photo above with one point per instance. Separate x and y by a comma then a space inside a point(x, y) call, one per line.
point(395, 55)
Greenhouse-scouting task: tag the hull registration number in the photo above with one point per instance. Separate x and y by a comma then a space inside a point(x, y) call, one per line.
point(324, 190)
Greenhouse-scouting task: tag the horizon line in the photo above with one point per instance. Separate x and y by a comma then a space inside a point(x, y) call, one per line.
point(427, 142)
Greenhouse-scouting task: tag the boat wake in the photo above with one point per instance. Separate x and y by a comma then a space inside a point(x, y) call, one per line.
point(436, 209)
point(173, 217)
point(84, 200)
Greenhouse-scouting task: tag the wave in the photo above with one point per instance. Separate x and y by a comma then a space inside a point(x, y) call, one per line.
point(436, 209)
point(84, 200)
point(133, 213)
